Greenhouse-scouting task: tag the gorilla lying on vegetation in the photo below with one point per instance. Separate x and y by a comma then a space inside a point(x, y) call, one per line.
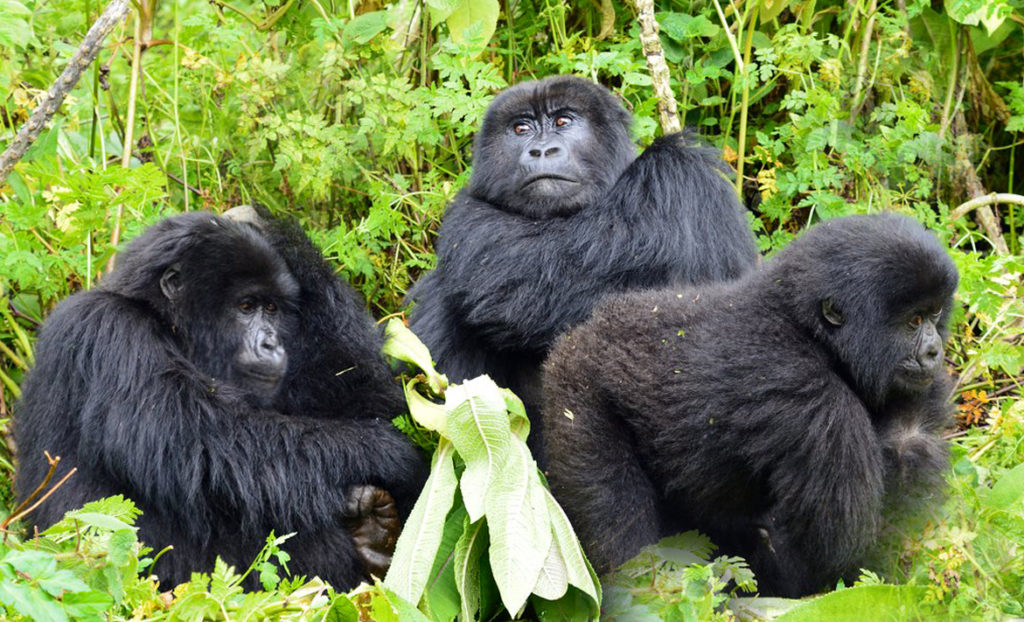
point(559, 212)
point(787, 414)
point(228, 383)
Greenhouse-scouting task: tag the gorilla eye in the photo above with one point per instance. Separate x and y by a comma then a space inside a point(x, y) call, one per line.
point(271, 308)
point(562, 121)
point(246, 306)
point(916, 321)
point(521, 128)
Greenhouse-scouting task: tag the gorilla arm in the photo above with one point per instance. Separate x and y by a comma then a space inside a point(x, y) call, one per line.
point(819, 527)
point(598, 478)
point(671, 217)
point(188, 446)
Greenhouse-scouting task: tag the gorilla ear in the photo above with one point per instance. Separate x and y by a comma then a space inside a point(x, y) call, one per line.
point(831, 313)
point(170, 282)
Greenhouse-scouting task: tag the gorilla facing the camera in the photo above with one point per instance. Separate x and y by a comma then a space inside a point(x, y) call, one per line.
point(558, 213)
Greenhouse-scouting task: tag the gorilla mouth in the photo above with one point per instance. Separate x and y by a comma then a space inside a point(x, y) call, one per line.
point(548, 177)
point(915, 378)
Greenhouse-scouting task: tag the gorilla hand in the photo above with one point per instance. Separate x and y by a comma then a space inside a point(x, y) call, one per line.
point(371, 517)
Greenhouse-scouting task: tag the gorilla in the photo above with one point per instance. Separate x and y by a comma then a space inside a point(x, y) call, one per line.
point(792, 415)
point(223, 379)
point(559, 212)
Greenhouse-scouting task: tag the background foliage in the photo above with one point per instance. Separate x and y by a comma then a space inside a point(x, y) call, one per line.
point(358, 118)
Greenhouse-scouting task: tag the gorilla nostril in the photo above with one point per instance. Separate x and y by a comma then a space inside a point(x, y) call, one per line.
point(552, 151)
point(535, 153)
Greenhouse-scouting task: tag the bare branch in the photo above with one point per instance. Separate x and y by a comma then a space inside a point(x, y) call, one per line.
point(83, 57)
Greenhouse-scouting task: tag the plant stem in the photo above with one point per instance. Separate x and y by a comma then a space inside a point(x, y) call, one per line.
point(741, 142)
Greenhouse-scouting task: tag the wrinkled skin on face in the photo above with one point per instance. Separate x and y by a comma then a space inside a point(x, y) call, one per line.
point(550, 148)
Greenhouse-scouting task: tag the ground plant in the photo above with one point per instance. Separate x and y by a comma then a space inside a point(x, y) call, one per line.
point(357, 118)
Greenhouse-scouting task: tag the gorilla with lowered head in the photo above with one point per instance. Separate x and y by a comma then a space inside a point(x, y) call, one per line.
point(559, 212)
point(228, 383)
point(789, 415)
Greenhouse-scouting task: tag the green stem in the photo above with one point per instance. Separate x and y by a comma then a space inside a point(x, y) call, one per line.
point(741, 143)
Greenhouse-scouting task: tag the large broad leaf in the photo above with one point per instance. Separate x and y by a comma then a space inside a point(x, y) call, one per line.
point(442, 598)
point(579, 574)
point(989, 13)
point(478, 426)
point(1007, 492)
point(520, 527)
point(473, 22)
point(865, 602)
point(468, 552)
point(417, 546)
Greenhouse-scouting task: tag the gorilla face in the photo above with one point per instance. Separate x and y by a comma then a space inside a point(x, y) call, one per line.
point(551, 148)
point(260, 358)
point(922, 343)
point(884, 315)
point(236, 321)
point(548, 147)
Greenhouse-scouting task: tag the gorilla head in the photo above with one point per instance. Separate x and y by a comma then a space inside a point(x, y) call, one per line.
point(226, 292)
point(551, 147)
point(883, 313)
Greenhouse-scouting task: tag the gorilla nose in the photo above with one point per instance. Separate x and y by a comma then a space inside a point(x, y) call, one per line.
point(547, 153)
point(930, 356)
point(269, 348)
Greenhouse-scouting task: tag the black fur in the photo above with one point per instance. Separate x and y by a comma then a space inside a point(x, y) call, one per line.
point(520, 263)
point(128, 387)
point(740, 410)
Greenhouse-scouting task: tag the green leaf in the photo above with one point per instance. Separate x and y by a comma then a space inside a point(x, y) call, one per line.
point(473, 22)
point(553, 580)
point(31, 602)
point(989, 13)
point(88, 605)
point(441, 9)
point(403, 344)
point(1007, 492)
point(865, 602)
point(579, 574)
point(469, 551)
point(442, 597)
point(387, 606)
point(681, 26)
point(770, 9)
point(519, 421)
point(102, 521)
point(1005, 356)
point(478, 426)
point(519, 525)
point(342, 610)
point(40, 567)
point(364, 27)
point(419, 541)
point(425, 412)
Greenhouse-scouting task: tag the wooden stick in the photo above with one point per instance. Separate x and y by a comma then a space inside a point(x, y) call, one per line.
point(83, 57)
point(656, 64)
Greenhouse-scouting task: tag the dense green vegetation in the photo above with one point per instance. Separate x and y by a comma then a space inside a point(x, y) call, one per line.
point(358, 118)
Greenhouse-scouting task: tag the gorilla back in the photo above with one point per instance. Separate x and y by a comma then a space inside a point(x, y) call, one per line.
point(558, 213)
point(787, 414)
point(173, 383)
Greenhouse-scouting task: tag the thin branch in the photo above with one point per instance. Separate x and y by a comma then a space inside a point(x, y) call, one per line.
point(994, 198)
point(667, 108)
point(82, 58)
